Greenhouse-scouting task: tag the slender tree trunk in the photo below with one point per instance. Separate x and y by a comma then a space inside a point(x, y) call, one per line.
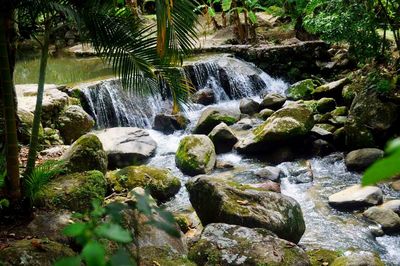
point(9, 107)
point(33, 145)
point(224, 22)
point(246, 26)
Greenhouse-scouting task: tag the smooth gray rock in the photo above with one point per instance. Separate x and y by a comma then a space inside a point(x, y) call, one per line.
point(223, 138)
point(356, 197)
point(269, 173)
point(273, 101)
point(248, 106)
point(387, 218)
point(360, 159)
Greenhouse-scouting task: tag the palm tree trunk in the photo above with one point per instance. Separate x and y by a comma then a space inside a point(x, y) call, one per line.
point(34, 141)
point(7, 94)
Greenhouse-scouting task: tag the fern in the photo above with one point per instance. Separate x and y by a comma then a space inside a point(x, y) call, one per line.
point(36, 182)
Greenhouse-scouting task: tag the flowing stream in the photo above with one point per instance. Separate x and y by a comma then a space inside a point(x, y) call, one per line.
point(325, 226)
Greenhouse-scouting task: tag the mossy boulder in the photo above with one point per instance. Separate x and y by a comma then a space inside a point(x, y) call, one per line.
point(332, 89)
point(320, 257)
point(73, 123)
point(218, 200)
point(211, 117)
point(52, 137)
point(302, 89)
point(225, 244)
point(195, 155)
point(285, 124)
point(357, 259)
point(86, 154)
point(340, 111)
point(74, 192)
point(160, 182)
point(223, 138)
point(34, 252)
point(325, 105)
point(25, 126)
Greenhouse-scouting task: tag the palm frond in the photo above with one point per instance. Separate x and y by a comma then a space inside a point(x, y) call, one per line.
point(36, 182)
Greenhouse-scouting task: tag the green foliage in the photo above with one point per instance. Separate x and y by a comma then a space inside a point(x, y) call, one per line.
point(4, 203)
point(348, 21)
point(35, 183)
point(382, 82)
point(105, 223)
point(385, 168)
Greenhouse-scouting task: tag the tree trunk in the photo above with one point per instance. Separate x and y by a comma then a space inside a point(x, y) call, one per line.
point(34, 141)
point(253, 33)
point(9, 107)
point(224, 22)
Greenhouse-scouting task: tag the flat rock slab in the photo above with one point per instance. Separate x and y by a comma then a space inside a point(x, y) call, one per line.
point(126, 146)
point(356, 197)
point(224, 244)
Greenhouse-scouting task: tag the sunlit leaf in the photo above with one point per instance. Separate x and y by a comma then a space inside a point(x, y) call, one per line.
point(114, 232)
point(211, 12)
point(93, 254)
point(252, 17)
point(393, 146)
point(75, 229)
point(382, 169)
point(226, 5)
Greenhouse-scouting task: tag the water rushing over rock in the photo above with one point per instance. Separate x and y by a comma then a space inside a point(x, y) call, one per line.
point(229, 78)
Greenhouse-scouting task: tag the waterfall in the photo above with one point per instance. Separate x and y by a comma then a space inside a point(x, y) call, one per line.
point(111, 106)
point(230, 79)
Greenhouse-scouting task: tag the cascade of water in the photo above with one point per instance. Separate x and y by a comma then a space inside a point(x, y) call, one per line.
point(111, 106)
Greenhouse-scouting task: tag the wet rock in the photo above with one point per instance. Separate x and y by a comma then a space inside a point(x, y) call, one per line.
point(195, 155)
point(332, 89)
point(273, 101)
point(73, 123)
point(211, 117)
point(321, 147)
point(34, 252)
point(393, 205)
point(340, 111)
point(85, 154)
point(325, 105)
point(361, 258)
point(204, 97)
point(269, 173)
point(219, 200)
point(265, 113)
point(302, 89)
point(224, 165)
point(356, 197)
point(160, 182)
point(74, 192)
point(225, 244)
point(223, 138)
point(126, 146)
point(268, 186)
point(169, 123)
point(362, 158)
point(287, 123)
point(395, 185)
point(25, 124)
point(327, 127)
point(300, 172)
point(388, 219)
point(244, 124)
point(249, 106)
point(321, 133)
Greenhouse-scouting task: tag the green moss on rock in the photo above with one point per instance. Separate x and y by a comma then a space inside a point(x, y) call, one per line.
point(320, 257)
point(34, 252)
point(195, 155)
point(86, 154)
point(212, 117)
point(74, 192)
point(161, 183)
point(325, 105)
point(302, 89)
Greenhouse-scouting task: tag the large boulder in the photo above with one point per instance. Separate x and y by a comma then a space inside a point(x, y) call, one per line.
point(356, 197)
point(269, 173)
point(249, 106)
point(74, 192)
point(211, 117)
point(54, 101)
point(85, 154)
point(160, 182)
point(73, 123)
point(219, 201)
point(369, 116)
point(34, 252)
point(195, 155)
point(285, 124)
point(126, 146)
point(223, 138)
point(360, 258)
point(169, 123)
point(325, 105)
point(224, 244)
point(388, 219)
point(362, 158)
point(25, 126)
point(273, 101)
